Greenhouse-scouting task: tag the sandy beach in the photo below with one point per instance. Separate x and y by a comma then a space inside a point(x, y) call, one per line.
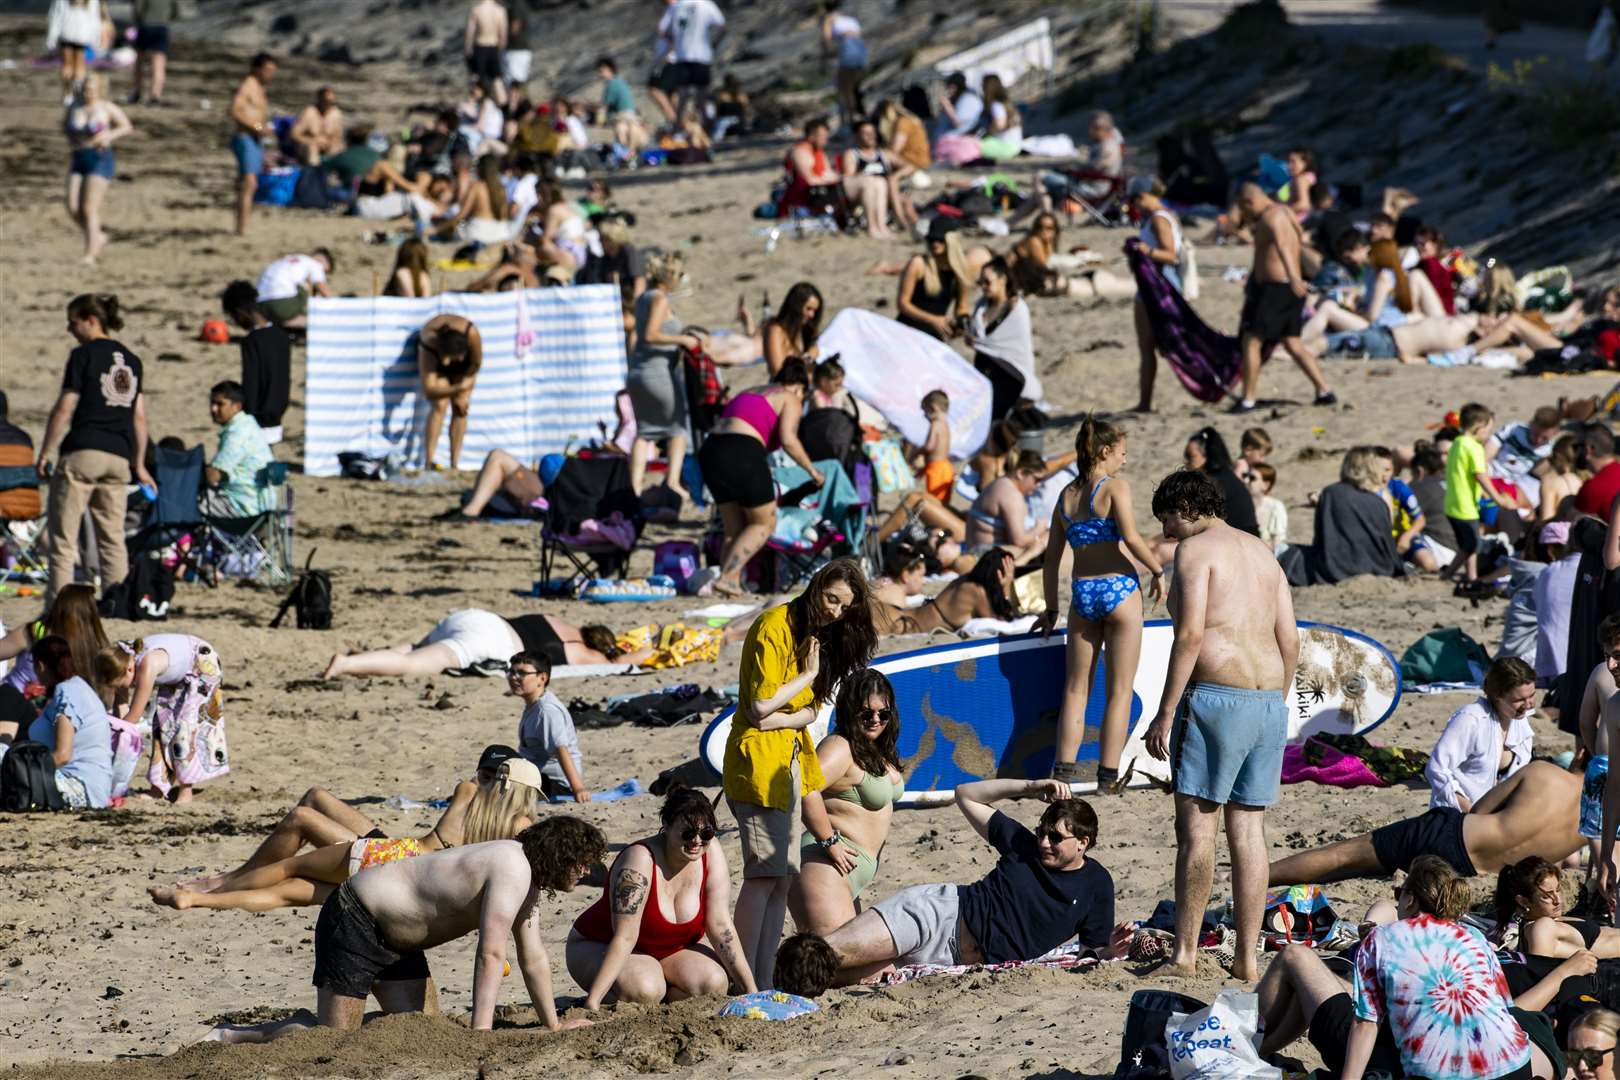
point(95, 978)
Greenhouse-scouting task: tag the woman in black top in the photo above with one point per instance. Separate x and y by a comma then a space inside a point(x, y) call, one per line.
point(99, 423)
point(1207, 451)
point(934, 286)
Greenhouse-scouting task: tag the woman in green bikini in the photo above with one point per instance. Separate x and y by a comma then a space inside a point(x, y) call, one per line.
point(847, 822)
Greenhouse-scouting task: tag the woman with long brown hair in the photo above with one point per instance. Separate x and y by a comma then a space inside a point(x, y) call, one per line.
point(410, 276)
point(793, 330)
point(72, 616)
point(793, 658)
point(482, 216)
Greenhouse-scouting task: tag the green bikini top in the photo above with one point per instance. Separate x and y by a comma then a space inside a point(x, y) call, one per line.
point(874, 792)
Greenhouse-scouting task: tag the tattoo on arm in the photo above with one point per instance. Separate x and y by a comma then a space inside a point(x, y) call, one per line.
point(629, 892)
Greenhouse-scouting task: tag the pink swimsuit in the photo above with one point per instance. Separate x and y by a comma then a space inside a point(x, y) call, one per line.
point(756, 410)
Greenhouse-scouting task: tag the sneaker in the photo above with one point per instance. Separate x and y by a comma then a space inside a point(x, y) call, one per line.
point(1238, 408)
point(1326, 397)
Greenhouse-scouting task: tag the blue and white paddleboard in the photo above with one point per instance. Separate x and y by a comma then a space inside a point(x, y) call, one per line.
point(988, 707)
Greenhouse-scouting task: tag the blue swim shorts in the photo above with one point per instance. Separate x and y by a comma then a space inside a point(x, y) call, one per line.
point(1592, 787)
point(249, 154)
point(1227, 744)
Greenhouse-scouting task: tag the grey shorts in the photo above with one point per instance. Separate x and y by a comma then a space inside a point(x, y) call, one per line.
point(922, 920)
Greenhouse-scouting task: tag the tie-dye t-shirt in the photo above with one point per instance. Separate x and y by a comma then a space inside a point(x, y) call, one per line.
point(1439, 986)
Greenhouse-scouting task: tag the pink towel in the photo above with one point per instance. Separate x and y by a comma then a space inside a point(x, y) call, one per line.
point(1337, 769)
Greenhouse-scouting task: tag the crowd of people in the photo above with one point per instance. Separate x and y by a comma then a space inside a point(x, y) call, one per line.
point(1524, 511)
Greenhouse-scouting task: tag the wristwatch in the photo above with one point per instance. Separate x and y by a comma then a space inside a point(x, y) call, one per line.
point(836, 838)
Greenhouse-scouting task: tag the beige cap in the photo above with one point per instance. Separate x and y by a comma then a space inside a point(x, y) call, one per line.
point(521, 771)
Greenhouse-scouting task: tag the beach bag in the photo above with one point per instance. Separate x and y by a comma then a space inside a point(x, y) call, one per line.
point(705, 393)
point(831, 435)
point(28, 779)
point(1299, 915)
point(311, 596)
point(1444, 655)
point(144, 594)
point(676, 560)
point(1221, 1042)
point(1144, 1054)
point(1187, 268)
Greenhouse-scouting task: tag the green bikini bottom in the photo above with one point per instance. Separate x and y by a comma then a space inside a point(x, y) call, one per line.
point(866, 865)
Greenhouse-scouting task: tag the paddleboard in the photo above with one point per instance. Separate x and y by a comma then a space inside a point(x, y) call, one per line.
point(971, 710)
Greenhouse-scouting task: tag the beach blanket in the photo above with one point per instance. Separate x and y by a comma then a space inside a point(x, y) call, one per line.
point(1065, 957)
point(553, 361)
point(874, 349)
point(678, 644)
point(1350, 761)
point(1206, 361)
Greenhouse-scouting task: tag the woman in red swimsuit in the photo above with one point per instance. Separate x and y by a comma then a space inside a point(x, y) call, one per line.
point(642, 941)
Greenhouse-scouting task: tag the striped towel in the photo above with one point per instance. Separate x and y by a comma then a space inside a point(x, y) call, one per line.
point(362, 390)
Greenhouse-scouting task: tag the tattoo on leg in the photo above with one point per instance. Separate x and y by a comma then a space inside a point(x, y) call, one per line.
point(629, 892)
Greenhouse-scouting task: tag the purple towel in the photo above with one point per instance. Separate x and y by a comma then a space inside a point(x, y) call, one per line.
point(1205, 360)
point(1337, 769)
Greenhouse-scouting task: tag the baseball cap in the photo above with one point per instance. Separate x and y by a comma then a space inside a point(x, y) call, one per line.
point(550, 466)
point(495, 755)
point(522, 771)
point(1555, 532)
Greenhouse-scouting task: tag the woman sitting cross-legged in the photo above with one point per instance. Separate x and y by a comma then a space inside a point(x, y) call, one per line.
point(642, 941)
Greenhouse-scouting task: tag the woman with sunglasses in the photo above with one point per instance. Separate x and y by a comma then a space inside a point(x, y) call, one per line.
point(1591, 1041)
point(642, 941)
point(1002, 340)
point(846, 823)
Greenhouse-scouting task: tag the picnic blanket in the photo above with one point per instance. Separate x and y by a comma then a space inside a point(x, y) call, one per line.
point(1206, 361)
point(1064, 956)
point(553, 361)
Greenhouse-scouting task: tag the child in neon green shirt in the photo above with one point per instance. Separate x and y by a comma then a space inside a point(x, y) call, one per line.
point(1467, 481)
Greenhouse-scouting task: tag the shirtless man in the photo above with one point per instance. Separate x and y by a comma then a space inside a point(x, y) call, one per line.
point(250, 115)
point(1222, 720)
point(1536, 811)
point(318, 131)
point(1274, 299)
point(373, 931)
point(483, 43)
point(1609, 726)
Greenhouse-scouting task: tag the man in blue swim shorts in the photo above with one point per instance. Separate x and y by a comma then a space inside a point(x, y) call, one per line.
point(250, 120)
point(1222, 719)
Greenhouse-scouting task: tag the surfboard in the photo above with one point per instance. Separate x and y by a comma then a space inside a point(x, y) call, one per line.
point(972, 710)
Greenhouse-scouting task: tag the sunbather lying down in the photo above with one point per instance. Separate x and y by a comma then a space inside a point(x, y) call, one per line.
point(1413, 341)
point(1536, 811)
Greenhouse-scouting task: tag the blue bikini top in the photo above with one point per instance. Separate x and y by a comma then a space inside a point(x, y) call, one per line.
point(1093, 529)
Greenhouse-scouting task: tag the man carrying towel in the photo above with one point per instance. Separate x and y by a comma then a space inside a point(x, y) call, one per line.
point(1223, 719)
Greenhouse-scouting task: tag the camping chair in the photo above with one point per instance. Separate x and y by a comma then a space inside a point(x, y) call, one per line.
point(832, 520)
point(587, 489)
point(176, 518)
point(258, 547)
point(1109, 207)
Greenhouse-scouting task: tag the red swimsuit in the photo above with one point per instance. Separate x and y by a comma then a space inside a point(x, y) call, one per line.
point(659, 937)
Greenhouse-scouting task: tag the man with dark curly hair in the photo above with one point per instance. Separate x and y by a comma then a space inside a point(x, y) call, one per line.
point(1222, 719)
point(373, 931)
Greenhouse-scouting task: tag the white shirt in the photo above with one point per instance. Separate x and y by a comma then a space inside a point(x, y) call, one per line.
point(1464, 760)
point(282, 279)
point(689, 26)
point(1516, 456)
point(1009, 341)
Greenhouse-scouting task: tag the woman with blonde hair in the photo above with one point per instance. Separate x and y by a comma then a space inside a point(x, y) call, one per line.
point(482, 216)
point(903, 135)
point(933, 293)
point(410, 276)
point(75, 28)
point(1590, 1043)
point(656, 384)
point(498, 810)
point(92, 125)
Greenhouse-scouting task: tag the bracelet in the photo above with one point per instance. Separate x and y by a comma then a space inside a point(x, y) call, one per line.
point(836, 838)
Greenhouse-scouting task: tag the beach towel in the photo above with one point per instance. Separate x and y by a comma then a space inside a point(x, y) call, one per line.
point(363, 389)
point(1066, 957)
point(678, 644)
point(1206, 361)
point(1447, 655)
point(838, 502)
point(874, 348)
point(1335, 770)
point(1389, 764)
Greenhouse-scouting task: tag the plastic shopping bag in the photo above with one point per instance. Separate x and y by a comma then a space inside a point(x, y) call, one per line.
point(1220, 1042)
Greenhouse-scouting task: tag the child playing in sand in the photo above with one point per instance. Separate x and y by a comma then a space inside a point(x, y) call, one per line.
point(1272, 514)
point(933, 460)
point(1254, 447)
point(1467, 481)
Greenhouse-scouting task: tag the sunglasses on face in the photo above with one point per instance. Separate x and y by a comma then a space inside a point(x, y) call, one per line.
point(884, 715)
point(1053, 837)
point(697, 834)
point(1590, 1059)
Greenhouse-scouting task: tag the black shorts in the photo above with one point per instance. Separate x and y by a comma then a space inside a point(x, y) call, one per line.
point(1467, 533)
point(152, 39)
point(1330, 1029)
point(688, 74)
point(485, 63)
point(1438, 832)
point(350, 953)
point(735, 470)
point(1271, 311)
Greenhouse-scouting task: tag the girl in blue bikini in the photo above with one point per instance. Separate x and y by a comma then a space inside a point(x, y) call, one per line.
point(1093, 517)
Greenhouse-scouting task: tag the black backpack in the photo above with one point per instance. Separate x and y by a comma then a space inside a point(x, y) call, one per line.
point(311, 595)
point(28, 779)
point(1144, 1053)
point(145, 594)
point(832, 435)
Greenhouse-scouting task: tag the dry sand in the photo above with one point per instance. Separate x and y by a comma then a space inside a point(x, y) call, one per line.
point(91, 971)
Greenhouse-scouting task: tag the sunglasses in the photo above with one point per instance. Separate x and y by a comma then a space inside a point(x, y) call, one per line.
point(1053, 837)
point(884, 715)
point(1590, 1059)
point(697, 834)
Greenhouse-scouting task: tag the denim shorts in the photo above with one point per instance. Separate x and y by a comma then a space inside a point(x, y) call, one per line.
point(1377, 342)
point(249, 154)
point(1227, 744)
point(92, 161)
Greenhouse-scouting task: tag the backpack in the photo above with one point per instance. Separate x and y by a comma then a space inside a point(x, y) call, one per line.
point(28, 779)
point(144, 594)
point(1144, 1053)
point(705, 394)
point(831, 435)
point(311, 595)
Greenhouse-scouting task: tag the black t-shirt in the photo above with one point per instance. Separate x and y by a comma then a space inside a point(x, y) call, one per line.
point(1021, 910)
point(266, 374)
point(107, 378)
point(627, 265)
point(1239, 503)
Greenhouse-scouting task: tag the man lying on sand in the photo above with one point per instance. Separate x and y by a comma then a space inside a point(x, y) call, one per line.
point(373, 931)
point(1536, 811)
point(1041, 893)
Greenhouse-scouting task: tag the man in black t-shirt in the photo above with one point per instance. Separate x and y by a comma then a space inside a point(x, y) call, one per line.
point(1043, 892)
point(103, 413)
point(266, 359)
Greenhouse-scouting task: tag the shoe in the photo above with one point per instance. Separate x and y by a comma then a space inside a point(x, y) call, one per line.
point(135, 99)
point(1239, 408)
point(453, 514)
point(1326, 397)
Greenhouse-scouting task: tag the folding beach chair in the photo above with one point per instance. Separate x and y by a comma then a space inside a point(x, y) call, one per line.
point(1096, 196)
point(587, 489)
point(176, 518)
point(22, 510)
point(831, 522)
point(258, 547)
